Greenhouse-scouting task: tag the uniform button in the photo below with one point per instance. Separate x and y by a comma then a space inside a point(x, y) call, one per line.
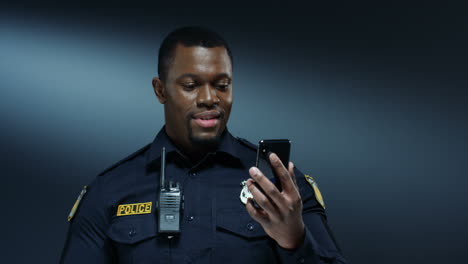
point(193, 174)
point(301, 260)
point(132, 232)
point(190, 218)
point(250, 227)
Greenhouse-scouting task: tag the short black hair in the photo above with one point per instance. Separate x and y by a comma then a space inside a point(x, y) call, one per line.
point(189, 37)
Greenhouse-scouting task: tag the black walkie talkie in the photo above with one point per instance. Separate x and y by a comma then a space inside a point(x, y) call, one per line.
point(170, 203)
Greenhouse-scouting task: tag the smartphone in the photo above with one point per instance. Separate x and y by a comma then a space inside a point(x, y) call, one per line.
point(282, 148)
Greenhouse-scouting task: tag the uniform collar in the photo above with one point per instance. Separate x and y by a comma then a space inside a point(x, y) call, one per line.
point(228, 145)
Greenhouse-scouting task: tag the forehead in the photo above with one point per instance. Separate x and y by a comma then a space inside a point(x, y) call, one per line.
point(200, 61)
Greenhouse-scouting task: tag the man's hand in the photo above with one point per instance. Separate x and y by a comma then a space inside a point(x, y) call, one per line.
point(281, 212)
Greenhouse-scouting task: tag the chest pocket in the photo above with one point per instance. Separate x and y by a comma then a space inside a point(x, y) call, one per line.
point(131, 231)
point(133, 237)
point(241, 239)
point(239, 223)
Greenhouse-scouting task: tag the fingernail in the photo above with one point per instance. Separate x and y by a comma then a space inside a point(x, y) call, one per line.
point(253, 171)
point(248, 182)
point(273, 157)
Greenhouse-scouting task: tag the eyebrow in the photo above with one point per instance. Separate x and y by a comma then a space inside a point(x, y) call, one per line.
point(194, 76)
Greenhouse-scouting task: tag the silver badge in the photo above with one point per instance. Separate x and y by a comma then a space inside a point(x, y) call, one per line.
point(245, 193)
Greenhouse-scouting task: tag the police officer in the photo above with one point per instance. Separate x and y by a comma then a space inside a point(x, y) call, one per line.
point(116, 217)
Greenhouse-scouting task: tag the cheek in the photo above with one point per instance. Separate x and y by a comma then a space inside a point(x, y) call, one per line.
point(227, 101)
point(181, 102)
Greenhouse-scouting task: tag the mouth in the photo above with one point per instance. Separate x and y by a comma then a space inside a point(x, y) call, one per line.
point(207, 119)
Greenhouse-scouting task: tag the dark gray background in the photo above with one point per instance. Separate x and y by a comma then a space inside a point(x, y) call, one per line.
point(372, 96)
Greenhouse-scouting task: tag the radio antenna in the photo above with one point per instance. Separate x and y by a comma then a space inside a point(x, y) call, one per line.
point(163, 168)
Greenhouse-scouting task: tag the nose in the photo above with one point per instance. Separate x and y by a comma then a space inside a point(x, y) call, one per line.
point(207, 96)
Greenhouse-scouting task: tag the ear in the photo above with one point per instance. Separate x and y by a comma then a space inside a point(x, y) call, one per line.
point(159, 90)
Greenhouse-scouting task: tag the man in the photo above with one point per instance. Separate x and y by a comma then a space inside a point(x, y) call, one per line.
point(115, 219)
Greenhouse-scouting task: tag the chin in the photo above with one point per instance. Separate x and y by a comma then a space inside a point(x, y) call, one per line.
point(209, 140)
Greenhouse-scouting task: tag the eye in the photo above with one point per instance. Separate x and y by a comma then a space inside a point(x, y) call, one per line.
point(222, 87)
point(188, 86)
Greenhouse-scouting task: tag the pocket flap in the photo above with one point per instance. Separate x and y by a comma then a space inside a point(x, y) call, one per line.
point(131, 230)
point(239, 223)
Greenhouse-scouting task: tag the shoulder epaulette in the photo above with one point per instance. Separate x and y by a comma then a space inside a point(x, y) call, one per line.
point(143, 149)
point(247, 143)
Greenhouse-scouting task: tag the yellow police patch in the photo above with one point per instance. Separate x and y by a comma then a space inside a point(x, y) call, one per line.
point(318, 194)
point(134, 209)
point(77, 202)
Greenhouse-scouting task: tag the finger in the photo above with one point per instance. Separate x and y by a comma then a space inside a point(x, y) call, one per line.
point(291, 172)
point(286, 182)
point(258, 214)
point(268, 188)
point(261, 199)
point(293, 177)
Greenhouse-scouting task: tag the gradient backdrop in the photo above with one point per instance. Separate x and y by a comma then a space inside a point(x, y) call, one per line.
point(373, 97)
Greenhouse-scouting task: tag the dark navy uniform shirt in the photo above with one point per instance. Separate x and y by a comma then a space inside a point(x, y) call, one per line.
point(215, 225)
